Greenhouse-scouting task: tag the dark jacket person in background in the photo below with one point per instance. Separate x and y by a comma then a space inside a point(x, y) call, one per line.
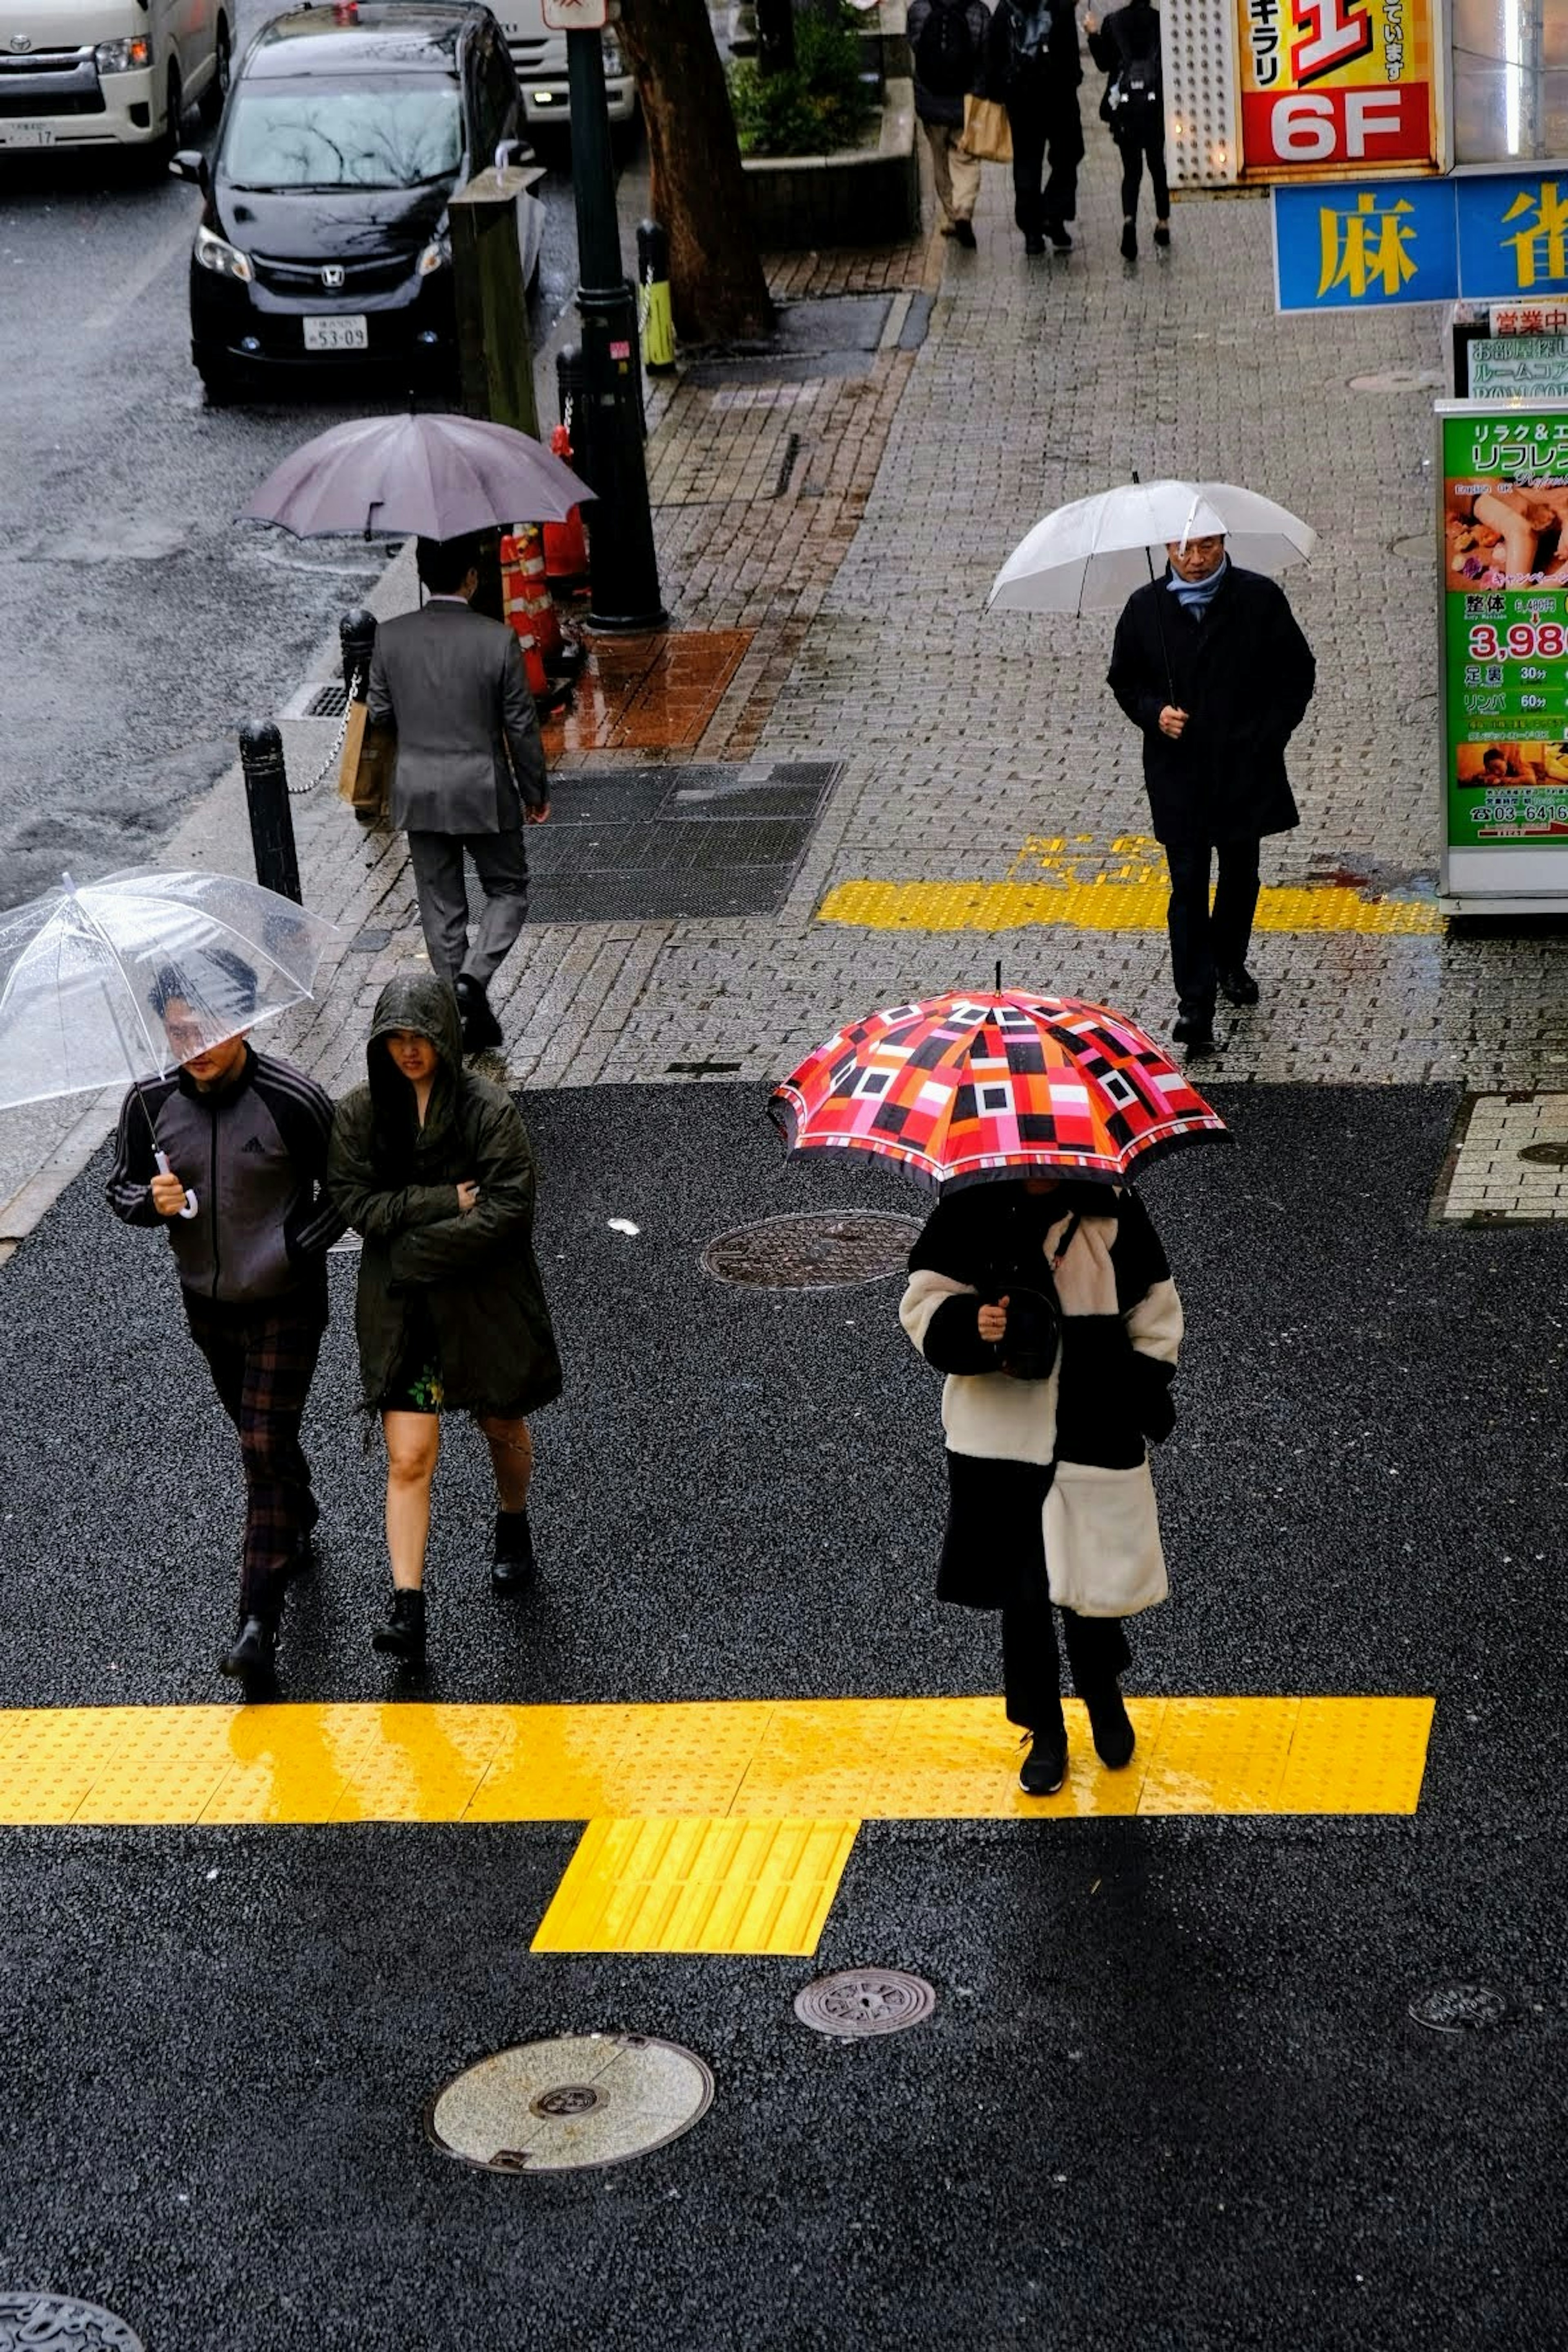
point(1127, 48)
point(947, 41)
point(432, 1166)
point(1032, 67)
point(469, 772)
point(245, 1135)
point(1210, 664)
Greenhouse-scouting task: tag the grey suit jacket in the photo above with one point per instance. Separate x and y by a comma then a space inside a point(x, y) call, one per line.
point(453, 685)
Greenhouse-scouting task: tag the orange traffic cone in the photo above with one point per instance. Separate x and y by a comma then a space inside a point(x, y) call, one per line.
point(525, 599)
point(565, 548)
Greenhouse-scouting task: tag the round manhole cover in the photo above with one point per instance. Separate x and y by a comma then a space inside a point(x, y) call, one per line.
point(1545, 1155)
point(58, 2323)
point(1459, 2009)
point(830, 1251)
point(582, 2100)
point(865, 2001)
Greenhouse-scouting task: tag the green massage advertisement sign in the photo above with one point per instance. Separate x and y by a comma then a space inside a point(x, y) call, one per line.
point(1503, 540)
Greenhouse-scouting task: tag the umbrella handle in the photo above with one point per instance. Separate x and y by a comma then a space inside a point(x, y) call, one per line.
point(189, 1210)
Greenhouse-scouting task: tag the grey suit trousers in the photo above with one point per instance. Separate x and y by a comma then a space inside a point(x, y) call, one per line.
point(501, 863)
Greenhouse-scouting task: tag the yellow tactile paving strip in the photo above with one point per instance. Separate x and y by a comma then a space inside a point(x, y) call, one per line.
point(1101, 905)
point(728, 1886)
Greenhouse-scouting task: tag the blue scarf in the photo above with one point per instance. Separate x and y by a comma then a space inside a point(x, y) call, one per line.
point(1195, 596)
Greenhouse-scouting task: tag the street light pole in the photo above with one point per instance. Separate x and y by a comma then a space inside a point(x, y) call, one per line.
point(622, 565)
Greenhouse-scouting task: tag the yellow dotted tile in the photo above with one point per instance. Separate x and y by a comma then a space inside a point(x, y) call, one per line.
point(1219, 1756)
point(1356, 1756)
point(158, 1764)
point(51, 1758)
point(576, 1763)
point(824, 1758)
point(1102, 904)
point(698, 1886)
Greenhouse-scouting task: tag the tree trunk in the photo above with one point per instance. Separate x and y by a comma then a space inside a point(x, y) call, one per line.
point(716, 286)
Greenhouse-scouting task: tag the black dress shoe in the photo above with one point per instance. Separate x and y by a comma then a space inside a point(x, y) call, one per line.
point(1239, 985)
point(1114, 1738)
point(512, 1567)
point(251, 1652)
point(964, 234)
point(402, 1635)
point(1057, 232)
point(1045, 1767)
point(1194, 1025)
point(481, 1029)
point(1034, 242)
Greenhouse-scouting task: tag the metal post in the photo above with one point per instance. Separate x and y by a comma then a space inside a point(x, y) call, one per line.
point(622, 562)
point(272, 820)
point(356, 636)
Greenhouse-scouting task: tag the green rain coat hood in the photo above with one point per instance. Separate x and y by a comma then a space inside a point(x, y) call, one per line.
point(473, 1274)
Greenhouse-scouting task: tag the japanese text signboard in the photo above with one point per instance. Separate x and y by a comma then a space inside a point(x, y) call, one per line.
point(1498, 236)
point(1504, 534)
point(1335, 86)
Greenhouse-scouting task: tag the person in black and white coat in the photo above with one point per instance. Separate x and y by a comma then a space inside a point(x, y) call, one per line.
point(1050, 1496)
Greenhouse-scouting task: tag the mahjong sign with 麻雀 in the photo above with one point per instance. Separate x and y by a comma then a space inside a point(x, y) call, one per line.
point(1504, 540)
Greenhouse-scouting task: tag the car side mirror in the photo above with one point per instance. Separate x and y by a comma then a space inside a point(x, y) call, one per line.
point(190, 163)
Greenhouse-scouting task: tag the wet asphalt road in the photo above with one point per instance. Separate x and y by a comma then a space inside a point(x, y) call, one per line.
point(139, 625)
point(1172, 2096)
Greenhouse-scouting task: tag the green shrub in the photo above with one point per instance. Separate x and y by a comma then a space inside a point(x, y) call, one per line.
point(821, 103)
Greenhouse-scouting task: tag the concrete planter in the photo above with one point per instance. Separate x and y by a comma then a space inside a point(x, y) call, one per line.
point(869, 195)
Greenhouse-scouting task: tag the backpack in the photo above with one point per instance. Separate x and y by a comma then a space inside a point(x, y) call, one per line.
point(1133, 97)
point(944, 53)
point(1028, 40)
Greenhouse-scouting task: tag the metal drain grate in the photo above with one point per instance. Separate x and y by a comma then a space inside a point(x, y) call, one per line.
point(858, 2002)
point(570, 2105)
point(328, 701)
point(1459, 2009)
point(650, 844)
point(58, 2323)
point(834, 1251)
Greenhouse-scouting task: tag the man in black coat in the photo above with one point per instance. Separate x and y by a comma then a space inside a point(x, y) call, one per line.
point(1032, 67)
point(1210, 664)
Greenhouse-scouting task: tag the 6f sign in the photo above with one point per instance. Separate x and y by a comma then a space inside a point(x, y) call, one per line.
point(1332, 84)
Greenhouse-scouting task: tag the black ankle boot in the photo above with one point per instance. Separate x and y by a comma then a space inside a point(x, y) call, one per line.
point(403, 1634)
point(512, 1563)
point(1112, 1727)
point(251, 1652)
point(1045, 1767)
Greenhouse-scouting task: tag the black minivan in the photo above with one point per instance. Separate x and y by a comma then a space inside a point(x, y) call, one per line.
point(324, 240)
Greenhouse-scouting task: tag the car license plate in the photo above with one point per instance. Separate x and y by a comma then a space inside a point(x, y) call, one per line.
point(345, 334)
point(27, 135)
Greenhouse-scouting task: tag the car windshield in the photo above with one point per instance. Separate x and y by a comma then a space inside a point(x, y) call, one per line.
point(389, 134)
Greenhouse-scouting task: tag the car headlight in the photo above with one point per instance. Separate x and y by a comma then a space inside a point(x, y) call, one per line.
point(123, 57)
point(615, 55)
point(436, 254)
point(212, 253)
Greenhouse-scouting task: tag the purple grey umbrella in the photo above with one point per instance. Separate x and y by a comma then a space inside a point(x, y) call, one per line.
point(441, 477)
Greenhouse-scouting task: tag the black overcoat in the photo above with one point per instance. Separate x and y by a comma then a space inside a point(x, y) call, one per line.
point(1243, 675)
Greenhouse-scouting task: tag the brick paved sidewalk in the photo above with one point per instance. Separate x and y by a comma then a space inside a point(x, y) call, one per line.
point(845, 527)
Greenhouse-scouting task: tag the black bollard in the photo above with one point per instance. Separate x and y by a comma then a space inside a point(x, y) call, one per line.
point(356, 636)
point(271, 819)
point(653, 277)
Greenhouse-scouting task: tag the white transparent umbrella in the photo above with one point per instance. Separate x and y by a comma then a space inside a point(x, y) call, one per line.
point(121, 979)
point(1089, 556)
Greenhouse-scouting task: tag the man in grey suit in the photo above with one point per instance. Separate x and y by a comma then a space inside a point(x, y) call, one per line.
point(469, 773)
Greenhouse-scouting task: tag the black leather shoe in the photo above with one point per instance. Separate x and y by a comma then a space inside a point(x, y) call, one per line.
point(1114, 1738)
point(964, 234)
point(1239, 986)
point(402, 1633)
point(1129, 242)
point(1194, 1026)
point(481, 1029)
point(1057, 232)
point(512, 1567)
point(1034, 242)
point(1045, 1767)
point(251, 1653)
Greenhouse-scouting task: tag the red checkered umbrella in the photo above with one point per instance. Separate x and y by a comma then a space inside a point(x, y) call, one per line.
point(970, 1089)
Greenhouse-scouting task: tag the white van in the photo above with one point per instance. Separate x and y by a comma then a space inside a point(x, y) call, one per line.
point(110, 73)
point(540, 57)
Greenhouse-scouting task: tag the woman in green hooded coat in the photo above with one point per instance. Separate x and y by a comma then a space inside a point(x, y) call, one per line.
point(433, 1168)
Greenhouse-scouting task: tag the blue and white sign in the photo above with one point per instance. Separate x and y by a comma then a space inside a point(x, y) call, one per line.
point(1362, 246)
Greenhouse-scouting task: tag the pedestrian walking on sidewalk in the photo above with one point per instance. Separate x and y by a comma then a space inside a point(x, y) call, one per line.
point(1126, 48)
point(1050, 1306)
point(1210, 663)
point(947, 40)
point(246, 1134)
point(469, 772)
point(1033, 67)
point(433, 1168)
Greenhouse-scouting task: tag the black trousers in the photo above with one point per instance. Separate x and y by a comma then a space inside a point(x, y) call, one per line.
point(262, 1359)
point(1204, 944)
point(1031, 1672)
point(1138, 148)
point(1035, 129)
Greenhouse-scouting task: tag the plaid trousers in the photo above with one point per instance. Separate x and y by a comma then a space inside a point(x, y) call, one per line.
point(262, 1358)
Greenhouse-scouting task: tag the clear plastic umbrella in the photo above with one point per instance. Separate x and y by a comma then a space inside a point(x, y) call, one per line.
point(123, 977)
point(1089, 556)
